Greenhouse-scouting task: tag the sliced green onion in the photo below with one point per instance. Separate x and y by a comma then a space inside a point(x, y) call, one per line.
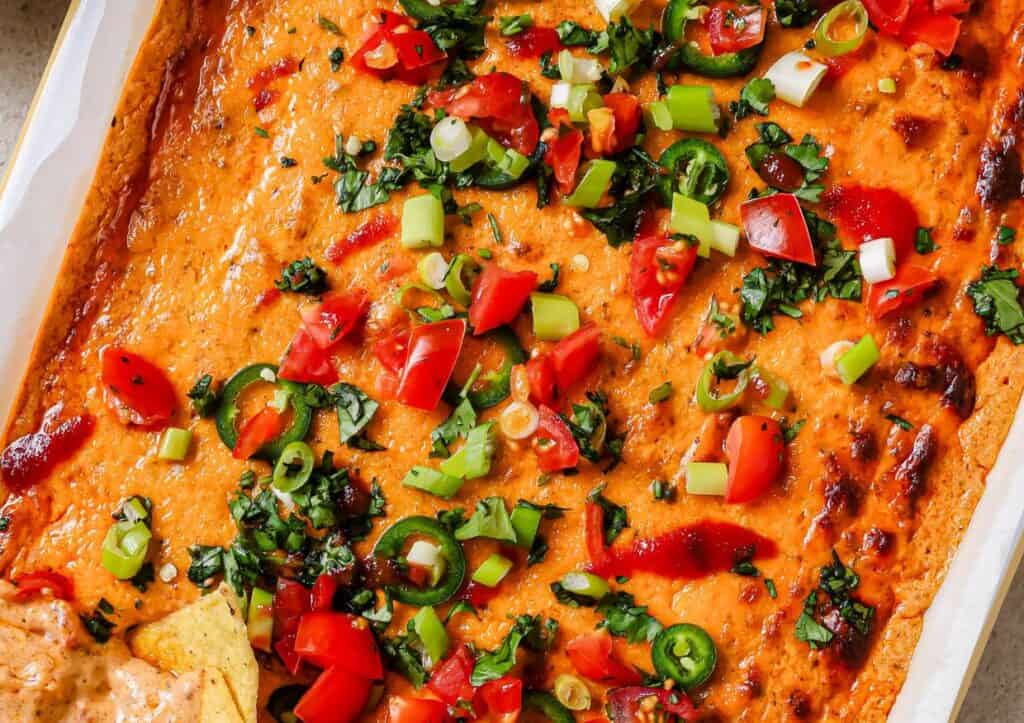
point(877, 260)
point(428, 556)
point(459, 280)
point(858, 360)
point(493, 570)
point(134, 511)
point(474, 459)
point(585, 584)
point(778, 390)
point(795, 77)
point(433, 269)
point(660, 393)
point(490, 519)
point(848, 10)
point(614, 10)
point(554, 316)
point(526, 523)
point(706, 478)
point(476, 152)
point(658, 115)
point(495, 152)
point(125, 548)
point(597, 175)
point(432, 481)
point(259, 621)
point(887, 85)
point(693, 108)
point(578, 70)
point(174, 444)
point(514, 163)
point(294, 467)
point(430, 630)
point(519, 420)
point(692, 218)
point(403, 292)
point(708, 399)
point(725, 238)
point(577, 99)
point(572, 692)
point(422, 222)
point(450, 138)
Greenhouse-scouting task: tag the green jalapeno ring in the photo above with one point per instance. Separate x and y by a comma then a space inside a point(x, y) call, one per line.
point(727, 65)
point(286, 477)
point(685, 653)
point(227, 413)
point(707, 398)
point(547, 705)
point(392, 545)
point(696, 169)
point(494, 386)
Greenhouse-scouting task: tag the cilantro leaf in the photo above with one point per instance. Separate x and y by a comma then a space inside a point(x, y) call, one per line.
point(996, 300)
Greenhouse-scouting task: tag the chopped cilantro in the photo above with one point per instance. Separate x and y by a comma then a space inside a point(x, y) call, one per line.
point(204, 396)
point(923, 241)
point(552, 283)
point(754, 98)
point(795, 13)
point(303, 276)
point(515, 24)
point(336, 57)
point(261, 132)
point(660, 393)
point(615, 517)
point(328, 25)
point(996, 300)
point(530, 631)
point(899, 422)
point(1005, 236)
point(355, 411)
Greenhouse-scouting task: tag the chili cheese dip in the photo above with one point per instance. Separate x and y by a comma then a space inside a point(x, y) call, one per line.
point(558, 360)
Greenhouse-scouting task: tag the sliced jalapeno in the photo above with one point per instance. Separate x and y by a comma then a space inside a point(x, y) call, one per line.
point(294, 467)
point(492, 387)
point(392, 545)
point(227, 413)
point(709, 399)
point(696, 169)
point(685, 653)
point(727, 65)
point(459, 279)
point(547, 705)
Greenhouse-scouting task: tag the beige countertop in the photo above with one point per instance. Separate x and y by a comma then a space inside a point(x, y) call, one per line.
point(28, 29)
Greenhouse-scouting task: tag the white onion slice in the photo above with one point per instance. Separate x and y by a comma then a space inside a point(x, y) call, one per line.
point(795, 77)
point(560, 93)
point(578, 70)
point(519, 420)
point(878, 260)
point(831, 355)
point(450, 138)
point(424, 554)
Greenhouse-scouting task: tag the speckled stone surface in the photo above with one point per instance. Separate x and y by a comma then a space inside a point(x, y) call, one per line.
point(28, 29)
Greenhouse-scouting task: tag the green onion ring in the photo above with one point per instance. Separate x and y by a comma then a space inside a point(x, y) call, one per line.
point(456, 281)
point(707, 398)
point(825, 44)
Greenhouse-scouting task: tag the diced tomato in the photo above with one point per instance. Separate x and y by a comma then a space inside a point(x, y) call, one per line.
point(937, 31)
point(337, 696)
point(840, 65)
point(775, 226)
point(626, 109)
point(259, 429)
point(405, 709)
point(291, 602)
point(33, 584)
point(279, 69)
point(304, 361)
point(592, 656)
point(601, 130)
point(600, 556)
point(450, 679)
point(540, 373)
point(498, 297)
point(575, 356)
point(554, 444)
point(657, 272)
point(754, 448)
point(30, 458)
point(337, 314)
point(267, 297)
point(564, 151)
point(138, 388)
point(392, 349)
point(340, 640)
point(888, 15)
point(322, 595)
point(904, 290)
point(396, 50)
point(500, 104)
point(501, 698)
point(864, 213)
point(479, 595)
point(372, 232)
point(733, 27)
point(632, 705)
point(433, 351)
point(534, 42)
point(950, 7)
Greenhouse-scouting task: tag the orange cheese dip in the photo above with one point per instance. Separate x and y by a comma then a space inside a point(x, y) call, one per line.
point(214, 180)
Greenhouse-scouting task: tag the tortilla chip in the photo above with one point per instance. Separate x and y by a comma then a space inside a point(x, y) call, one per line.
point(216, 704)
point(207, 634)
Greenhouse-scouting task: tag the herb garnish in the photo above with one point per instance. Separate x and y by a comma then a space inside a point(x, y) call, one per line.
point(996, 299)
